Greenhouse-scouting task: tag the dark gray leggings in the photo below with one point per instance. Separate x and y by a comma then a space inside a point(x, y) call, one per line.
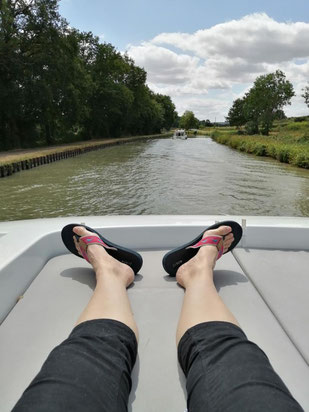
point(91, 371)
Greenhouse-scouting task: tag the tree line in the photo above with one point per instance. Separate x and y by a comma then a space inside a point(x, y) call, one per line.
point(262, 104)
point(58, 84)
point(189, 121)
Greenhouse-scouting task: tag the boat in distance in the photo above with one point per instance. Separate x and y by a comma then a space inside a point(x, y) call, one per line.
point(180, 134)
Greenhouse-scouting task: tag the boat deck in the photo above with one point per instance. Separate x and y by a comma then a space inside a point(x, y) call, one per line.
point(265, 289)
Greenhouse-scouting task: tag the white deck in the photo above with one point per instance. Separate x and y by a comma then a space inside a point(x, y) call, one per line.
point(266, 289)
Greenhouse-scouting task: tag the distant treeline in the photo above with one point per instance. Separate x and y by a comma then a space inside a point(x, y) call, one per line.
point(59, 85)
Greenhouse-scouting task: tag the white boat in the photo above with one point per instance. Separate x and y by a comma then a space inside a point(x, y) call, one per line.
point(180, 134)
point(264, 281)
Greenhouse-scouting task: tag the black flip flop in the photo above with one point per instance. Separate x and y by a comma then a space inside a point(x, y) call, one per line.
point(124, 255)
point(175, 258)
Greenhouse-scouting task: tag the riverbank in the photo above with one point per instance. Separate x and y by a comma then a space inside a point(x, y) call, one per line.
point(144, 177)
point(288, 142)
point(17, 160)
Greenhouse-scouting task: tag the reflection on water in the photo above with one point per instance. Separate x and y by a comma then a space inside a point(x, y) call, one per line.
point(164, 176)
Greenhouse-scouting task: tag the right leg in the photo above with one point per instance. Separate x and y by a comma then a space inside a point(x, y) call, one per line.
point(224, 371)
point(91, 370)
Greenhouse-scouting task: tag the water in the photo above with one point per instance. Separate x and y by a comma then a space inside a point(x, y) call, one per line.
point(163, 176)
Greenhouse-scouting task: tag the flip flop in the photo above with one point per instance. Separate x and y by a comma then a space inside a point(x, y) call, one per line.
point(124, 255)
point(173, 259)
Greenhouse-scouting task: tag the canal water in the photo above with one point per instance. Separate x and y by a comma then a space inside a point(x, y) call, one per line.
point(162, 176)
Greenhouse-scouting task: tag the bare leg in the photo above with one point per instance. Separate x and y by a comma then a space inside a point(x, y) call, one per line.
point(201, 301)
point(91, 369)
point(110, 299)
point(224, 370)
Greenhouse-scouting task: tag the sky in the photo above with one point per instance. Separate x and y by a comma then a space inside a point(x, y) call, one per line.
point(202, 53)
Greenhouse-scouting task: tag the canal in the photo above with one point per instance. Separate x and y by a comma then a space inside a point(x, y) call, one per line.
point(162, 176)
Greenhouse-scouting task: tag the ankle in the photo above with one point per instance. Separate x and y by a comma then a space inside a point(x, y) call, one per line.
point(188, 276)
point(119, 274)
point(199, 280)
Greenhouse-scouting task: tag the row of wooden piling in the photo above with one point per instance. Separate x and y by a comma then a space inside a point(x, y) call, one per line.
point(9, 169)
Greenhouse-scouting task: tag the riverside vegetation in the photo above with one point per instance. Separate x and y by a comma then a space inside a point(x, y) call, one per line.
point(288, 141)
point(59, 85)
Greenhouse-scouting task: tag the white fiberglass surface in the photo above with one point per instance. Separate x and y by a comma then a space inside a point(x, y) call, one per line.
point(46, 314)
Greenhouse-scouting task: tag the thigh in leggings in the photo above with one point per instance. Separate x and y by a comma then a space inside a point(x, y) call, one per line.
point(90, 371)
point(227, 372)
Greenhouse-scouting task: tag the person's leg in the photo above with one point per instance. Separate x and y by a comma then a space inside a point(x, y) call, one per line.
point(110, 299)
point(224, 370)
point(91, 370)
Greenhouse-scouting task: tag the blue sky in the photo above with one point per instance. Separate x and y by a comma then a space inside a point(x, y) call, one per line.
point(132, 21)
point(211, 82)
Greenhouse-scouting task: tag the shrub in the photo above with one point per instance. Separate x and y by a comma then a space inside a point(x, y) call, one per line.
point(251, 128)
point(292, 148)
point(283, 154)
point(260, 149)
point(300, 119)
point(283, 124)
point(303, 125)
point(242, 147)
point(304, 139)
point(302, 160)
point(215, 134)
point(271, 151)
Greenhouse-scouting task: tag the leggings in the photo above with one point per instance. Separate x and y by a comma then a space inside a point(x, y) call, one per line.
point(91, 371)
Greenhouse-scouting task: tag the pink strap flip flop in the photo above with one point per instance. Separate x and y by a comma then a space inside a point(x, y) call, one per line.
point(210, 240)
point(85, 241)
point(128, 256)
point(173, 259)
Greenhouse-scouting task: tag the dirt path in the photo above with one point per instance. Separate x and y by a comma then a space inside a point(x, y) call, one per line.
point(22, 154)
point(17, 160)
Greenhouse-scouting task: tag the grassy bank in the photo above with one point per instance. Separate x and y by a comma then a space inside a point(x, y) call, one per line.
point(288, 142)
point(17, 160)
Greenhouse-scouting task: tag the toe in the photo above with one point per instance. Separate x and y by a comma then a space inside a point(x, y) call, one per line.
point(221, 231)
point(228, 237)
point(81, 231)
point(76, 243)
point(227, 243)
point(226, 232)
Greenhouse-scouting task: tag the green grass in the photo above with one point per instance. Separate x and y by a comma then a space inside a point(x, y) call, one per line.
point(288, 142)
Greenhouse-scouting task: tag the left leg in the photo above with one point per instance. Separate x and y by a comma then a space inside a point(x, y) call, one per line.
point(91, 370)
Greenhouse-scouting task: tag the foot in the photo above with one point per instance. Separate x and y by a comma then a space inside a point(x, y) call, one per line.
point(204, 261)
point(103, 264)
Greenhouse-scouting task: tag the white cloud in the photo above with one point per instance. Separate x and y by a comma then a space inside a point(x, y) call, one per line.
point(227, 56)
point(163, 65)
point(203, 106)
point(256, 38)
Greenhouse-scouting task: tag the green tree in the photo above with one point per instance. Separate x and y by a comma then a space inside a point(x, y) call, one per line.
point(270, 93)
point(168, 106)
point(58, 84)
point(188, 120)
point(11, 95)
point(305, 95)
point(236, 115)
point(42, 78)
point(111, 100)
point(279, 115)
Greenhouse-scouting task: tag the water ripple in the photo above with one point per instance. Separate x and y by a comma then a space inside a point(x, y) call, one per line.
point(195, 176)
